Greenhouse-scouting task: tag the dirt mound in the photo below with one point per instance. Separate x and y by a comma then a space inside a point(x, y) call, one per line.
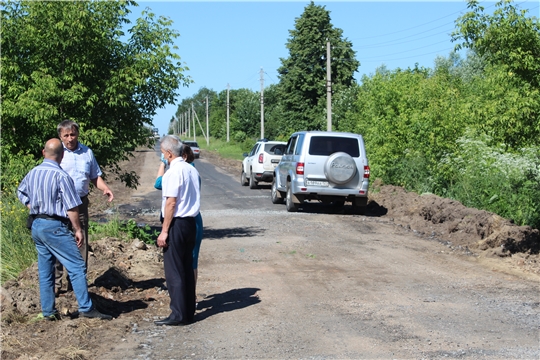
point(476, 231)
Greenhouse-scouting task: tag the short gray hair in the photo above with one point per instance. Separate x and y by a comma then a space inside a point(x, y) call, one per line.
point(173, 144)
point(67, 125)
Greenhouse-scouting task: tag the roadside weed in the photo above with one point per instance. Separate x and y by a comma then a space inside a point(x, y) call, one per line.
point(125, 230)
point(18, 249)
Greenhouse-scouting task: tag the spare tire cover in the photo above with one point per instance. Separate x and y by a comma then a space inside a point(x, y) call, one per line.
point(340, 168)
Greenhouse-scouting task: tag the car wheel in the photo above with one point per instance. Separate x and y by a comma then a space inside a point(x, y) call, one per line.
point(277, 196)
point(252, 183)
point(340, 168)
point(291, 206)
point(243, 179)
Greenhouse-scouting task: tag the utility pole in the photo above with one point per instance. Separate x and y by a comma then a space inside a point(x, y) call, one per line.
point(207, 129)
point(328, 89)
point(228, 112)
point(262, 103)
point(193, 118)
point(188, 123)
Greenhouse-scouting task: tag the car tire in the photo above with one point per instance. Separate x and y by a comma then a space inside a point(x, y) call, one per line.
point(276, 195)
point(243, 179)
point(340, 168)
point(252, 183)
point(291, 206)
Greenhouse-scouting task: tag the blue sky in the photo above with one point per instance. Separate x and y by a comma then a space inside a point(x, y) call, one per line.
point(224, 42)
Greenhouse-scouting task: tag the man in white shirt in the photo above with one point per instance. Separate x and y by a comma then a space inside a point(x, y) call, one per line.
point(180, 204)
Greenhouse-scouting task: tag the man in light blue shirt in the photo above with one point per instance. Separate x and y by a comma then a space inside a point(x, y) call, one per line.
point(79, 162)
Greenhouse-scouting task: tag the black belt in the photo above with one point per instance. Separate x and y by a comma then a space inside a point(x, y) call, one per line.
point(52, 217)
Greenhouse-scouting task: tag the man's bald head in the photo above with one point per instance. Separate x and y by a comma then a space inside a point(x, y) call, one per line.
point(53, 150)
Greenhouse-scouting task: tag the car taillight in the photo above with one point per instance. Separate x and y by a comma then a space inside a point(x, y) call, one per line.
point(299, 168)
point(366, 172)
point(261, 158)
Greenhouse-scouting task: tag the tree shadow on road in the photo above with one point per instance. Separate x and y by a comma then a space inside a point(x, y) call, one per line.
point(217, 234)
point(228, 301)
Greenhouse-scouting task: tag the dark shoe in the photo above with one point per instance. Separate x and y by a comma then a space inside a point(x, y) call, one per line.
point(168, 321)
point(96, 314)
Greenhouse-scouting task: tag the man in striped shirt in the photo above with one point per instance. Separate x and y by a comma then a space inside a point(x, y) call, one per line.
point(49, 193)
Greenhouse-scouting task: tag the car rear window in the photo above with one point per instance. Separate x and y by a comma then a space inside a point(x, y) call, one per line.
point(327, 145)
point(191, 143)
point(271, 148)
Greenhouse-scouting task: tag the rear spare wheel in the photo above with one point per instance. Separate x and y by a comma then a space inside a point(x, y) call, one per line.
point(340, 168)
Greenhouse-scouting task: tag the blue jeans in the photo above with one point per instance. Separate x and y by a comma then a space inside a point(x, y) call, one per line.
point(54, 241)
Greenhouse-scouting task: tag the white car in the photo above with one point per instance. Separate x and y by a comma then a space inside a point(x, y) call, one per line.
point(261, 161)
point(194, 147)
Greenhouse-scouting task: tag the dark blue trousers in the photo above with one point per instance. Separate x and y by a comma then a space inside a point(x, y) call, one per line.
point(178, 264)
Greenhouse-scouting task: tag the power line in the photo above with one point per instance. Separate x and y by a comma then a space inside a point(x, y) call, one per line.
point(391, 42)
point(405, 51)
point(414, 27)
point(410, 57)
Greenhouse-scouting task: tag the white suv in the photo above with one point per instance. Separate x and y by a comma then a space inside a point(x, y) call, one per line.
point(261, 161)
point(331, 167)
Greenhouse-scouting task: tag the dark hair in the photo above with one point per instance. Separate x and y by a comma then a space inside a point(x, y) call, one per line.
point(67, 125)
point(188, 153)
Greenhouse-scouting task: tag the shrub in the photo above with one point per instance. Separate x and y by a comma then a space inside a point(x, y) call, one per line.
point(489, 177)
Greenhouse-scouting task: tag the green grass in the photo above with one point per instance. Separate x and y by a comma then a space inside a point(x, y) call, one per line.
point(229, 150)
point(17, 247)
point(124, 230)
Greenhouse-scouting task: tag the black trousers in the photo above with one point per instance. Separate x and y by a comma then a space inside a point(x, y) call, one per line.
point(178, 265)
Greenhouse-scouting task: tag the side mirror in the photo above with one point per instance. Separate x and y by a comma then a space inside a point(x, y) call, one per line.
point(245, 154)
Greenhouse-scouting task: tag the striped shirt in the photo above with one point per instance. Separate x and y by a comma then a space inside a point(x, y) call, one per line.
point(82, 166)
point(49, 190)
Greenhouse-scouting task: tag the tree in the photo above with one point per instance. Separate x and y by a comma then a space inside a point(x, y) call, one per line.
point(303, 74)
point(508, 37)
point(68, 60)
point(509, 93)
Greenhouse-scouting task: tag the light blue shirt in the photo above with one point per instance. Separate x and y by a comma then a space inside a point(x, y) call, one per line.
point(49, 190)
point(82, 166)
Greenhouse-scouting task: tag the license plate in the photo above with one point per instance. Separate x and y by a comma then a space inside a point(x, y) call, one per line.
point(316, 183)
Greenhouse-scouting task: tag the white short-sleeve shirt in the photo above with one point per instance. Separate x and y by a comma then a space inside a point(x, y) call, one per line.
point(182, 182)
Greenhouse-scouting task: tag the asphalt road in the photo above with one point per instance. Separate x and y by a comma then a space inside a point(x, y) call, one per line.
point(323, 285)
